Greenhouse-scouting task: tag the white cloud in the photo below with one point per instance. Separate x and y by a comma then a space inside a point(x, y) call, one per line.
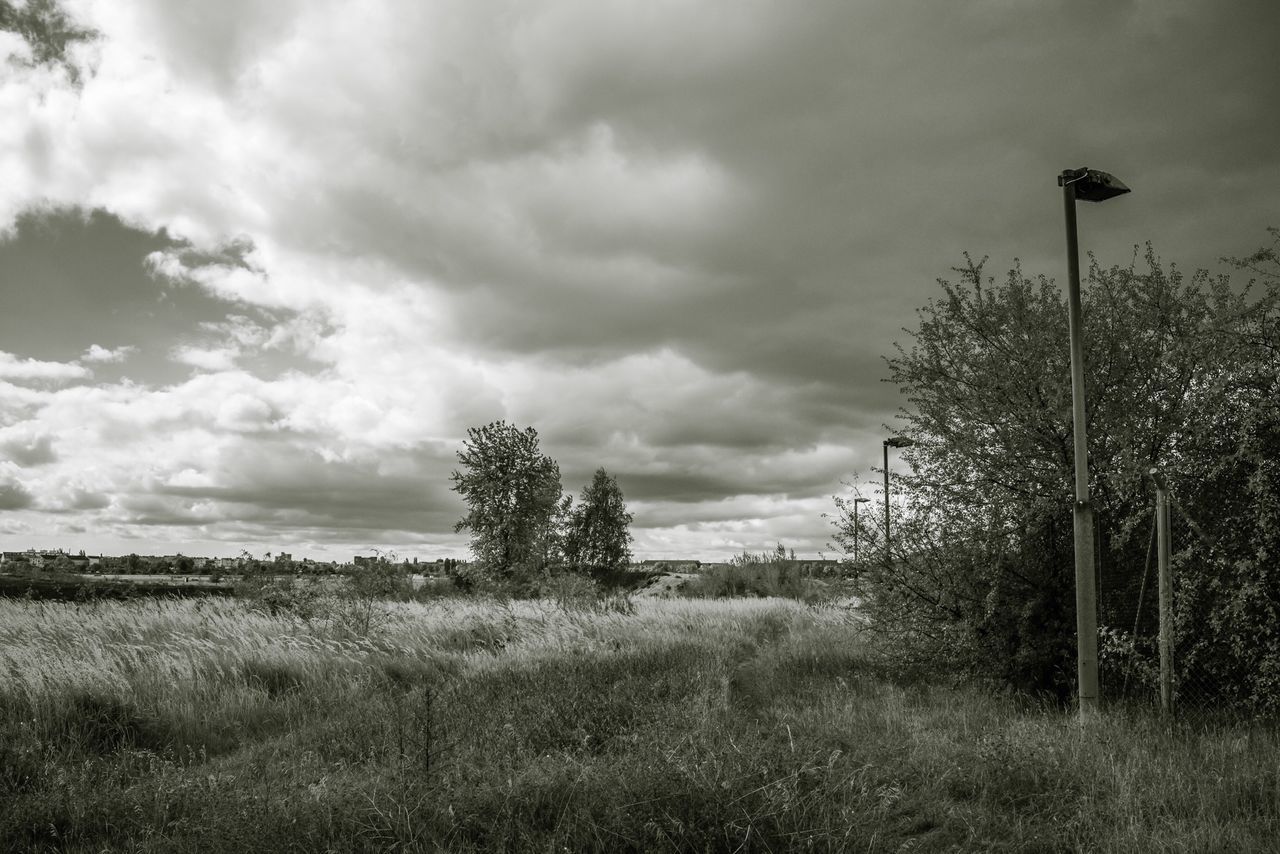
point(377, 214)
point(658, 232)
point(16, 368)
point(207, 358)
point(100, 354)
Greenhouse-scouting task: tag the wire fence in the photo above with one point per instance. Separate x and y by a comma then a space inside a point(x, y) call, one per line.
point(1177, 674)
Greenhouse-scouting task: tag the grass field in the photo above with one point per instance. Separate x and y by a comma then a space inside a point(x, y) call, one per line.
point(461, 725)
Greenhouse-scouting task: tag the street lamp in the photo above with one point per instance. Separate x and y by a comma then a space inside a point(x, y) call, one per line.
point(1092, 186)
point(891, 442)
point(856, 502)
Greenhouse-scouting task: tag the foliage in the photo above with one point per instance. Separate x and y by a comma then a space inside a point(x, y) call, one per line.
point(598, 531)
point(285, 595)
point(1227, 485)
point(355, 602)
point(576, 592)
point(778, 556)
point(1178, 374)
point(625, 579)
point(512, 491)
point(766, 574)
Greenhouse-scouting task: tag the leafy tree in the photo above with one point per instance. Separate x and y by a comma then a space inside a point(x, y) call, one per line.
point(981, 574)
point(512, 490)
point(1227, 572)
point(561, 548)
point(599, 532)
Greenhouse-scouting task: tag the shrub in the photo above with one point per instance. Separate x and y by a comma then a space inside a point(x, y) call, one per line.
point(572, 592)
point(307, 599)
point(775, 578)
point(1181, 374)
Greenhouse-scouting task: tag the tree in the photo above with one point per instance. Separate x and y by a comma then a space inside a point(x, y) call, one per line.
point(511, 490)
point(561, 540)
point(599, 532)
point(981, 575)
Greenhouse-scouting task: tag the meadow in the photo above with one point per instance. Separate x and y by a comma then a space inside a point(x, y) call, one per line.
point(583, 724)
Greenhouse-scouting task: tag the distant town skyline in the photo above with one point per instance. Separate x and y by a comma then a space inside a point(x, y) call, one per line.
point(263, 264)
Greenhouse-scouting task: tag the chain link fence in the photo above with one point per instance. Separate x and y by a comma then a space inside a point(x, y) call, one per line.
point(1185, 679)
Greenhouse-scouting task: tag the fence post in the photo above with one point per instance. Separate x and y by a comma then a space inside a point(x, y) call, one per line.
point(1165, 594)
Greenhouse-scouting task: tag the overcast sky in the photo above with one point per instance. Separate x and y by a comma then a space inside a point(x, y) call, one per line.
point(262, 268)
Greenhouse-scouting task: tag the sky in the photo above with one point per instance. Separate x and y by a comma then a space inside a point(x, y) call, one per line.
point(263, 264)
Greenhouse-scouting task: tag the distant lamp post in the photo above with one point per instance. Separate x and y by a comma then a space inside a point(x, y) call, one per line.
point(856, 502)
point(891, 442)
point(1090, 185)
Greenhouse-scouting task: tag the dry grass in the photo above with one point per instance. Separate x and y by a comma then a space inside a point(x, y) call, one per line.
point(530, 725)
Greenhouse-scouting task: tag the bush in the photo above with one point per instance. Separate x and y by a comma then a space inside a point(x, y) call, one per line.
point(307, 599)
point(380, 580)
point(1181, 373)
point(571, 592)
point(783, 579)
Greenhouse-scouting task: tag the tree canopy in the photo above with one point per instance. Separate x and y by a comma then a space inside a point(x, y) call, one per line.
point(599, 532)
point(1181, 373)
point(512, 491)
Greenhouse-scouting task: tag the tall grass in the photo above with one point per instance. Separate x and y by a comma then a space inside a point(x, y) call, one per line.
point(465, 725)
point(761, 579)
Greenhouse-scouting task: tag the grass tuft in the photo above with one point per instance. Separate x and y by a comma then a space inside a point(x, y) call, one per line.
point(758, 724)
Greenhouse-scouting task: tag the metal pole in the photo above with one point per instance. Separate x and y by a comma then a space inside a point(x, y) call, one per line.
point(887, 552)
point(856, 502)
point(1082, 513)
point(1165, 593)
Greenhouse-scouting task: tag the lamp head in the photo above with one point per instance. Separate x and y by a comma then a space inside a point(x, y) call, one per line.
point(1093, 185)
point(899, 442)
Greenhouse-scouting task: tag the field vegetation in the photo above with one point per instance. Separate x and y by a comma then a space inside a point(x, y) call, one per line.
point(1182, 376)
point(580, 722)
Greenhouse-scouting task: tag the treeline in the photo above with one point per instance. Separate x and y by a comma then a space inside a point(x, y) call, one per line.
point(1182, 374)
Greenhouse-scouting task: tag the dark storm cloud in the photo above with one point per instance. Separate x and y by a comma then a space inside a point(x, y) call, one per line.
point(13, 495)
point(285, 485)
point(72, 279)
point(676, 238)
point(868, 144)
point(716, 480)
point(49, 32)
point(34, 451)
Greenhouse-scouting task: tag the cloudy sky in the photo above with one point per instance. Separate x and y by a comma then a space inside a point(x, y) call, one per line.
point(262, 264)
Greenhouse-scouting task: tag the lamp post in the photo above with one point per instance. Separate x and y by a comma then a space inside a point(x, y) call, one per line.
point(891, 442)
point(856, 502)
point(1090, 185)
